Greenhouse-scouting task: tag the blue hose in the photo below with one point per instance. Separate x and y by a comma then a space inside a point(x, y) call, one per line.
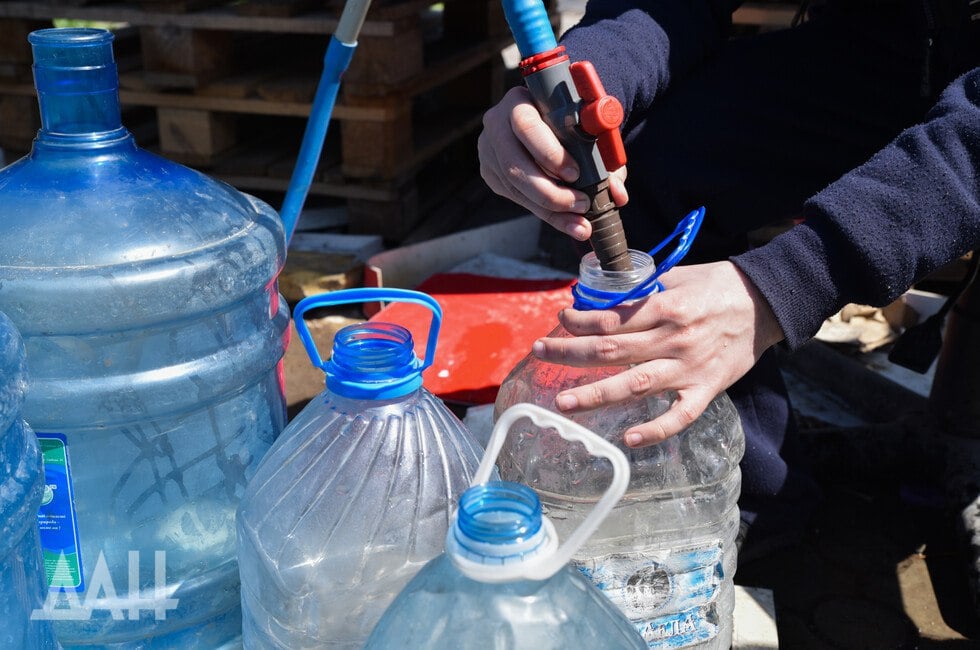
point(529, 23)
point(335, 62)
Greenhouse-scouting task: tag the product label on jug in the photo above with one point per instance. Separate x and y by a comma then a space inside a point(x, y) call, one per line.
point(669, 595)
point(57, 520)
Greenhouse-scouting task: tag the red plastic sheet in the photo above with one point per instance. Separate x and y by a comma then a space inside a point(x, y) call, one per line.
point(488, 326)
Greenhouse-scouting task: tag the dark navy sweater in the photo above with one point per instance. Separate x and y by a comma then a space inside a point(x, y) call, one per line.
point(865, 238)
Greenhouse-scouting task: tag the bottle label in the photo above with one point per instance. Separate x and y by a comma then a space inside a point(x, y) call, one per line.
point(669, 595)
point(57, 520)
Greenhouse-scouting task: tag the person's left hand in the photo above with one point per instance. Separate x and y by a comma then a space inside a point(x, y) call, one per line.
point(696, 338)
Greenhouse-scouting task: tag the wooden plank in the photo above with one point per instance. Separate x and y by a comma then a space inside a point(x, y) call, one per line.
point(276, 7)
point(392, 219)
point(174, 57)
point(377, 149)
point(335, 188)
point(177, 6)
point(387, 61)
point(74, 3)
point(439, 68)
point(247, 160)
point(133, 95)
point(308, 273)
point(387, 10)
point(297, 89)
point(194, 137)
point(237, 86)
point(219, 18)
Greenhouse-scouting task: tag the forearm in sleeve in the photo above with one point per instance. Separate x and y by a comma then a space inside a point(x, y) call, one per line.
point(873, 233)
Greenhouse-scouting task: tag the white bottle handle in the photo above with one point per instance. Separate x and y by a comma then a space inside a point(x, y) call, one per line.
point(572, 431)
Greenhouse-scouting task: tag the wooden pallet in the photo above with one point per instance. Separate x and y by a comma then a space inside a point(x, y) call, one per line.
point(222, 76)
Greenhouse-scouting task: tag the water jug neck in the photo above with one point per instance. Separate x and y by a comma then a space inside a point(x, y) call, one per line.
point(593, 276)
point(77, 87)
point(499, 522)
point(373, 361)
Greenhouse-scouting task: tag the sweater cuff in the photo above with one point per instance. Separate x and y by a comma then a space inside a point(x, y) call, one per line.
point(793, 272)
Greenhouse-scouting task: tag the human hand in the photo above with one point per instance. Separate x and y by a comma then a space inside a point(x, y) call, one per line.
point(522, 159)
point(696, 338)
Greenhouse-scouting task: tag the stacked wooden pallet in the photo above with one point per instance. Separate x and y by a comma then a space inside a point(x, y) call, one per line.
point(231, 83)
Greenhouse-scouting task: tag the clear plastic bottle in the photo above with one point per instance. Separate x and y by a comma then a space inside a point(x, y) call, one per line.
point(146, 295)
point(666, 554)
point(503, 582)
point(22, 584)
point(357, 493)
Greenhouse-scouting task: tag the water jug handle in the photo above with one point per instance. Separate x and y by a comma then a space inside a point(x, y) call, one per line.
point(574, 432)
point(368, 294)
point(685, 232)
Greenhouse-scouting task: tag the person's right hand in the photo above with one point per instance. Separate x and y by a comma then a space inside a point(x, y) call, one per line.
point(521, 159)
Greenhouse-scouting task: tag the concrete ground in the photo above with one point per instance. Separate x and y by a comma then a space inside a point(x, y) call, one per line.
point(883, 564)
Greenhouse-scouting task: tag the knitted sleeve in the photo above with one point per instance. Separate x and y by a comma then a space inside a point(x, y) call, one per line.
point(870, 235)
point(639, 46)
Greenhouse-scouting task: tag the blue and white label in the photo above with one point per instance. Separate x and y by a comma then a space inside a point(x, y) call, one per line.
point(670, 595)
point(56, 518)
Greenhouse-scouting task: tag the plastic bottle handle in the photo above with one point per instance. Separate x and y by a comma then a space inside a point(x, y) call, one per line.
point(369, 294)
point(574, 432)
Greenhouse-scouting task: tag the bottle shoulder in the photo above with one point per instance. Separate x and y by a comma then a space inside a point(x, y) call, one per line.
point(122, 205)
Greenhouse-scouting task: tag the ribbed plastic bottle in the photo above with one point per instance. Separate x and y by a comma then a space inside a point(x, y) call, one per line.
point(22, 583)
point(503, 581)
point(146, 295)
point(666, 554)
point(357, 493)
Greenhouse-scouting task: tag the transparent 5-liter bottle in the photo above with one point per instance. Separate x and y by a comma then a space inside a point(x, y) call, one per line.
point(146, 295)
point(666, 554)
point(503, 581)
point(357, 493)
point(22, 583)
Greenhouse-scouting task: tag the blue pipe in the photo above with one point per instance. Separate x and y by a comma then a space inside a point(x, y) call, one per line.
point(529, 23)
point(335, 62)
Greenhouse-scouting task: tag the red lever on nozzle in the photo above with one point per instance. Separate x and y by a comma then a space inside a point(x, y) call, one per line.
point(600, 115)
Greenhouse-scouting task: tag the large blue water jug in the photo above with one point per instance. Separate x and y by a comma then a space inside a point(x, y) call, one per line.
point(22, 584)
point(146, 295)
point(503, 581)
point(357, 493)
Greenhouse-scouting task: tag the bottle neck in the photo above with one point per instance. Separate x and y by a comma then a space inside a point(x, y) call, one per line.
point(593, 276)
point(77, 86)
point(499, 520)
point(373, 361)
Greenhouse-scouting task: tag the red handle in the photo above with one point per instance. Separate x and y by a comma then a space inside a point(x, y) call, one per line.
point(600, 115)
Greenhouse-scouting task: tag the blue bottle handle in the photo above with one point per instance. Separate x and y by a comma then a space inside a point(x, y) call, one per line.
point(685, 232)
point(368, 294)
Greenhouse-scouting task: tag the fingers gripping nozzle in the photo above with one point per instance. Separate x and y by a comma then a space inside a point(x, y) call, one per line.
point(586, 120)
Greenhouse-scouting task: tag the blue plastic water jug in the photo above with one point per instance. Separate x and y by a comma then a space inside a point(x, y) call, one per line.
point(666, 554)
point(146, 295)
point(22, 584)
point(503, 581)
point(357, 493)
